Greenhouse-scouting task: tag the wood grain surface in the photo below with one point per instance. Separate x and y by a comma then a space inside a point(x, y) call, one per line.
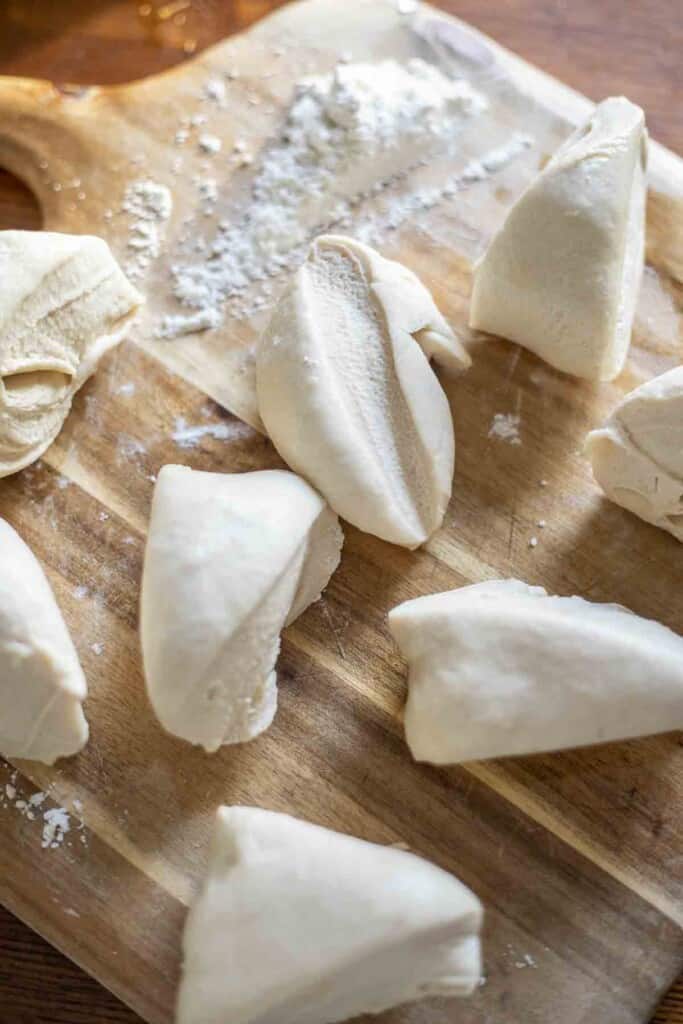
point(600, 48)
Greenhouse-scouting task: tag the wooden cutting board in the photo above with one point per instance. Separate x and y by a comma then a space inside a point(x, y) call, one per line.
point(578, 856)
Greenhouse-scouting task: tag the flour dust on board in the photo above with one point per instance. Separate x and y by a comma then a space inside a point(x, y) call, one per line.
point(348, 135)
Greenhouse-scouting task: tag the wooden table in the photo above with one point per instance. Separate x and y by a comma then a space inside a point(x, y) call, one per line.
point(601, 47)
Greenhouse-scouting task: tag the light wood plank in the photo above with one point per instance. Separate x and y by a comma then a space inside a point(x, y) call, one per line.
point(576, 855)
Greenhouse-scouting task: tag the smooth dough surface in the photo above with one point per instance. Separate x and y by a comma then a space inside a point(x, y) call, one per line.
point(296, 924)
point(502, 668)
point(64, 302)
point(561, 276)
point(42, 686)
point(348, 397)
point(231, 559)
point(637, 456)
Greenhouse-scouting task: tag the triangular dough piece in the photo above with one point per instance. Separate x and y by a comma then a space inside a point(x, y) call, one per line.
point(63, 303)
point(296, 924)
point(348, 398)
point(230, 560)
point(637, 456)
point(503, 668)
point(561, 276)
point(42, 685)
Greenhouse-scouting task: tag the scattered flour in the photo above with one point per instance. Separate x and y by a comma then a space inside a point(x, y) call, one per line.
point(526, 961)
point(56, 825)
point(215, 90)
point(56, 822)
point(208, 193)
point(148, 205)
point(81, 592)
point(505, 427)
point(210, 144)
point(129, 447)
point(126, 389)
point(186, 436)
point(348, 134)
point(175, 325)
point(397, 209)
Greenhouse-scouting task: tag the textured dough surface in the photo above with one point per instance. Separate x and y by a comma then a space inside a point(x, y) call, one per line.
point(561, 276)
point(42, 686)
point(63, 303)
point(637, 456)
point(502, 668)
point(296, 924)
point(230, 560)
point(348, 397)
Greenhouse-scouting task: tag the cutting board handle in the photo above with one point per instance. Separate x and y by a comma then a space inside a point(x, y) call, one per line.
point(43, 138)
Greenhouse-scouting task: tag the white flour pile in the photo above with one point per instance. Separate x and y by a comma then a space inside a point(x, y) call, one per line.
point(347, 135)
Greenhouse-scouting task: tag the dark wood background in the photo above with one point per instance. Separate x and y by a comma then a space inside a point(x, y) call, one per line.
point(601, 47)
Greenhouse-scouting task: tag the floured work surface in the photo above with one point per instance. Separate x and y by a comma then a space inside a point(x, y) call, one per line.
point(577, 856)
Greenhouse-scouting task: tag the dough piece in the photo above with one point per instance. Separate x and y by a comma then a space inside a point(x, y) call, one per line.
point(503, 668)
point(349, 399)
point(297, 924)
point(42, 685)
point(63, 303)
point(231, 559)
point(637, 456)
point(561, 276)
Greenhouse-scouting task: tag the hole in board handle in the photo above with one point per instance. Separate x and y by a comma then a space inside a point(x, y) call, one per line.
point(19, 208)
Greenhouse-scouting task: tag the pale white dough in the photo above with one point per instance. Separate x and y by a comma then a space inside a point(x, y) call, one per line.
point(349, 398)
point(42, 685)
point(296, 924)
point(561, 276)
point(637, 456)
point(230, 560)
point(63, 303)
point(503, 668)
